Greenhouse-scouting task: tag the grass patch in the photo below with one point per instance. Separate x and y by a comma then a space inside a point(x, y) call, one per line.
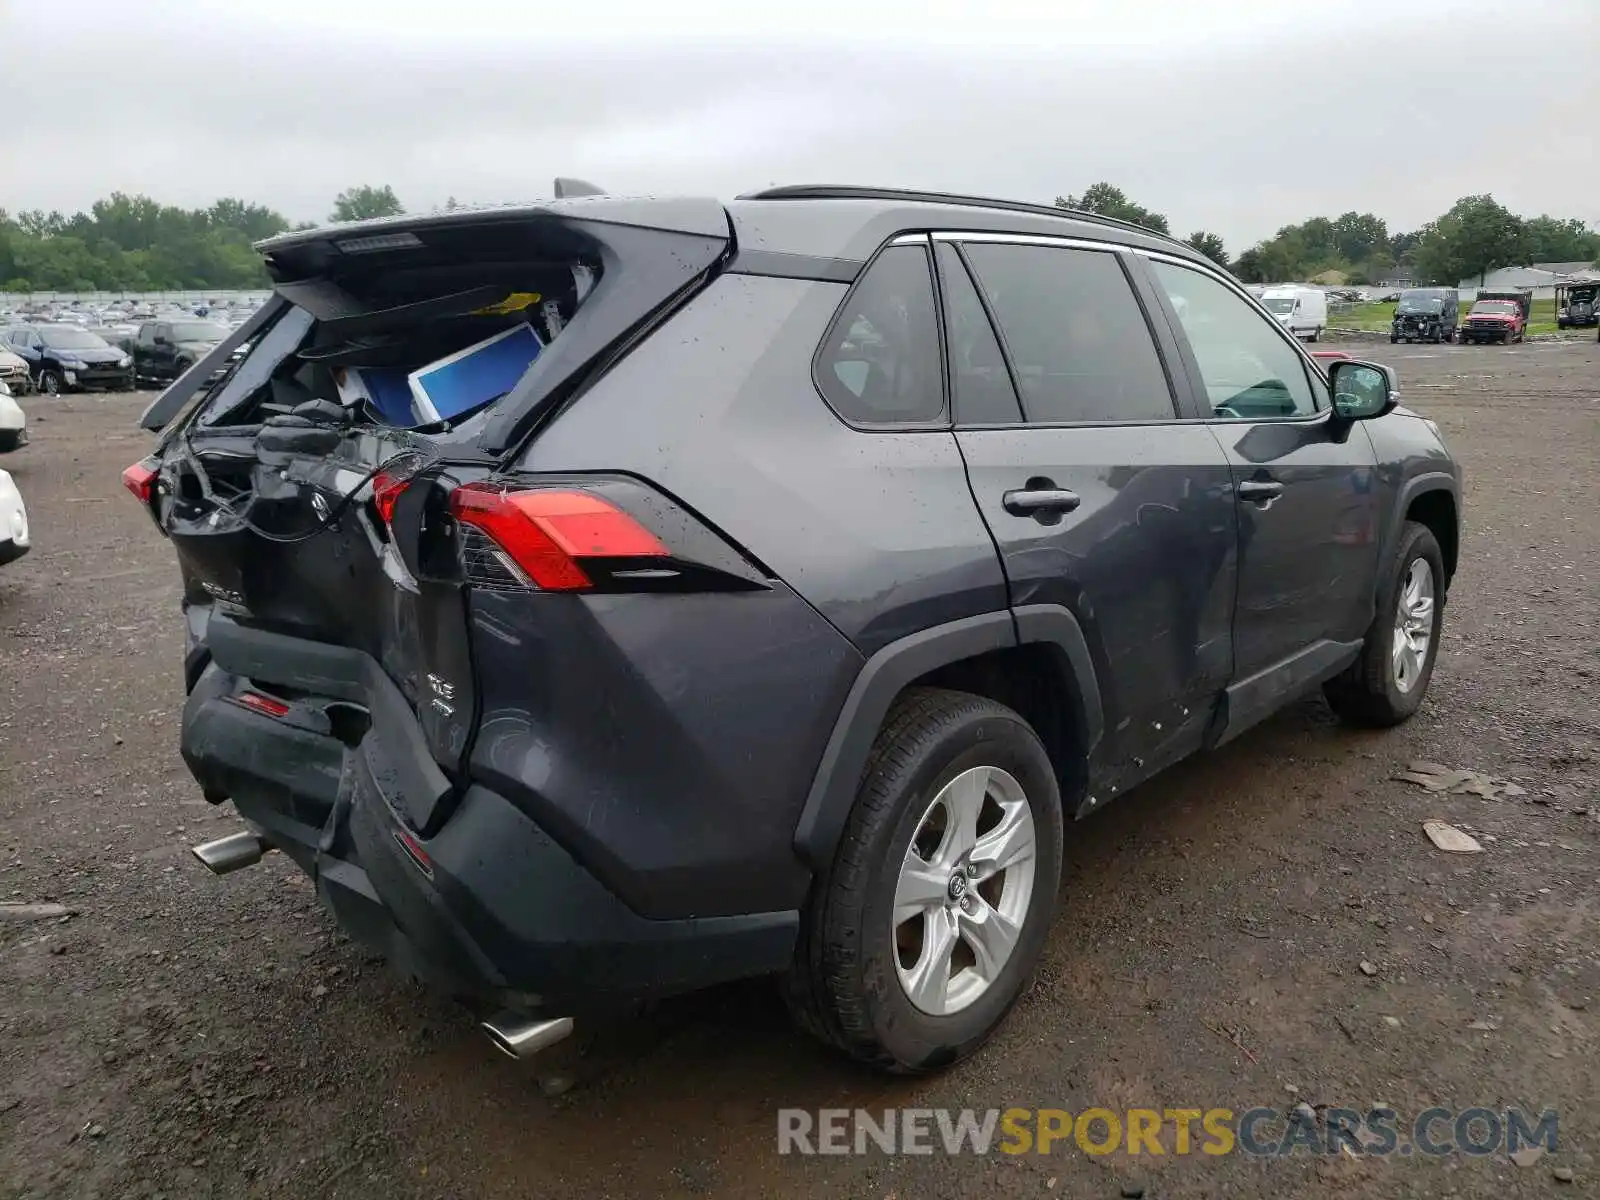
point(1378, 317)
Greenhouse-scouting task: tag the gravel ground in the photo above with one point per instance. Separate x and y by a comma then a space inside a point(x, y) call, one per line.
point(189, 1036)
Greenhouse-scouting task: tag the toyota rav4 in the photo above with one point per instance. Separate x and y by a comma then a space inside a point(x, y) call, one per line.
point(838, 550)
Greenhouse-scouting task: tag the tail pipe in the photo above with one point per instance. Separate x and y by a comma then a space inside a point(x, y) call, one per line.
point(521, 1037)
point(242, 849)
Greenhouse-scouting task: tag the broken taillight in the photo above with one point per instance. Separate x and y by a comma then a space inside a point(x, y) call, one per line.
point(542, 536)
point(386, 488)
point(140, 479)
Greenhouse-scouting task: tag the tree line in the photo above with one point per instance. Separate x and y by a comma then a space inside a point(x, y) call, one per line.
point(1474, 237)
point(134, 243)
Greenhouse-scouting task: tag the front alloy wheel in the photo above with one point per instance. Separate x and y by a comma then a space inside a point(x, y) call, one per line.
point(1413, 625)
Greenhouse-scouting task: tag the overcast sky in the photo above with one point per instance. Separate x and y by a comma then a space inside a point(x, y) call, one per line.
point(1237, 116)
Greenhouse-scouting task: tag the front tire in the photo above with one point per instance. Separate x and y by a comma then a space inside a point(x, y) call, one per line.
point(1387, 683)
point(925, 930)
point(51, 383)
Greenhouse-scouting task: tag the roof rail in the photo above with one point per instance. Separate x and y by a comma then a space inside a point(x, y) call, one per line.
point(850, 191)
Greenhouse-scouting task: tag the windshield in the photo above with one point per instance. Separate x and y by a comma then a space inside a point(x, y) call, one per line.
point(1420, 304)
point(197, 331)
point(1495, 306)
point(64, 337)
point(1280, 306)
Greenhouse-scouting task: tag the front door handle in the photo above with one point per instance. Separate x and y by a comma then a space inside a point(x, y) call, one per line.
point(1259, 491)
point(1030, 502)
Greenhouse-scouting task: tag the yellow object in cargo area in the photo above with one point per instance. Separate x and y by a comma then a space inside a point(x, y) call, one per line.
point(515, 302)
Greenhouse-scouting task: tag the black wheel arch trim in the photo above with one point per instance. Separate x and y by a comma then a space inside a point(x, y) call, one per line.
point(884, 675)
point(1410, 490)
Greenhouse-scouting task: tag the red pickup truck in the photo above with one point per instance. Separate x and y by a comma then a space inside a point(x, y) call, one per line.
point(1495, 321)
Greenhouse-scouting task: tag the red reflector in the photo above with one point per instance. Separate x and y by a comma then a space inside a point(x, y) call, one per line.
point(140, 480)
point(546, 532)
point(386, 489)
point(414, 851)
point(269, 705)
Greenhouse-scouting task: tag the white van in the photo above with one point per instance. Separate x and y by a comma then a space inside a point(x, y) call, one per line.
point(1302, 311)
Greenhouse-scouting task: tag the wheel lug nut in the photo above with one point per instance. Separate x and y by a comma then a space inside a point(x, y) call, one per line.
point(972, 870)
point(966, 904)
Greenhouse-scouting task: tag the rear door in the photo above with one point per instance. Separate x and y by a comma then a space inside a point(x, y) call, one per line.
point(1304, 482)
point(1102, 499)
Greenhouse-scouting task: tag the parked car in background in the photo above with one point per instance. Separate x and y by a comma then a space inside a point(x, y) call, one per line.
point(561, 710)
point(1495, 321)
point(67, 358)
point(14, 534)
point(14, 371)
point(13, 422)
point(1426, 315)
point(1302, 311)
point(163, 350)
point(1577, 305)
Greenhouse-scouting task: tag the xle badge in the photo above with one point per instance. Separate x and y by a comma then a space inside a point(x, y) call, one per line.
point(443, 693)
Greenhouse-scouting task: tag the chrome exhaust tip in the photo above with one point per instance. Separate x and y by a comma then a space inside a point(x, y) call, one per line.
point(522, 1038)
point(243, 849)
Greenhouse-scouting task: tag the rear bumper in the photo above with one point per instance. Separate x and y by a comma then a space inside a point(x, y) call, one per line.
point(497, 910)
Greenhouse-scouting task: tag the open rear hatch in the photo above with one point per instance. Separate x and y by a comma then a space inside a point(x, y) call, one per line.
point(308, 492)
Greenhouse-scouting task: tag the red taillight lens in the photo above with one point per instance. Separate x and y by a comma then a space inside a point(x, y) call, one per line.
point(269, 706)
point(547, 533)
point(140, 480)
point(386, 489)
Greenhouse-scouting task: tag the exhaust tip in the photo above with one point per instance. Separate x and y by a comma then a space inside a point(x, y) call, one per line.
point(237, 850)
point(521, 1038)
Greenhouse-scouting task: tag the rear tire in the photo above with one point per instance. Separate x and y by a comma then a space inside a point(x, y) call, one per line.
point(1386, 684)
point(876, 923)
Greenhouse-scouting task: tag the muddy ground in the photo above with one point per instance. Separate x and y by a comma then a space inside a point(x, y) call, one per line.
point(190, 1036)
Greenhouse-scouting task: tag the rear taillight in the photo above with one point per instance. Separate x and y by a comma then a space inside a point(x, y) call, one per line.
point(542, 537)
point(140, 480)
point(386, 489)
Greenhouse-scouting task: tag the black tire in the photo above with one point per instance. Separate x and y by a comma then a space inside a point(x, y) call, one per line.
point(51, 383)
point(1393, 339)
point(844, 987)
point(1367, 693)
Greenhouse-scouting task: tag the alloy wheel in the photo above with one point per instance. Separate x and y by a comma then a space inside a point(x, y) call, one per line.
point(1413, 624)
point(963, 891)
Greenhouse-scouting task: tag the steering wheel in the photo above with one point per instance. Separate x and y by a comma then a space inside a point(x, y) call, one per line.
point(1225, 410)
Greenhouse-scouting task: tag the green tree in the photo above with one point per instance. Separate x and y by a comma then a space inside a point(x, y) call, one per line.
point(1358, 236)
point(1106, 200)
point(1210, 245)
point(365, 201)
point(1249, 267)
point(1474, 237)
point(1552, 239)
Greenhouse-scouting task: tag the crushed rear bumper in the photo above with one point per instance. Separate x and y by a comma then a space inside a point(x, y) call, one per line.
point(489, 907)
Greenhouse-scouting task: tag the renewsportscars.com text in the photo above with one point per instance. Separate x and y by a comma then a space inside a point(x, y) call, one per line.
point(1261, 1132)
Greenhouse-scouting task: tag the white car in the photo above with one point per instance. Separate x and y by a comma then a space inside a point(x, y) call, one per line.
point(13, 521)
point(14, 371)
point(13, 422)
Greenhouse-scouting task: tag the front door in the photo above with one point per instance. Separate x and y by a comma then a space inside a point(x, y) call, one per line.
point(1100, 500)
point(1304, 483)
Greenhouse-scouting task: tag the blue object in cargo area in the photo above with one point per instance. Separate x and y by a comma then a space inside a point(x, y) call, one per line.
point(468, 378)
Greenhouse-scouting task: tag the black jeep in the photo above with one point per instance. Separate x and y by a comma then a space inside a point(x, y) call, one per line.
point(1426, 315)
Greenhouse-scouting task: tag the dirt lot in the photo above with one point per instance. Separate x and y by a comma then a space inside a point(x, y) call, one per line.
point(190, 1036)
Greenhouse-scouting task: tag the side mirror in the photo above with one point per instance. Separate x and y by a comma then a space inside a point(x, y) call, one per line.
point(1362, 390)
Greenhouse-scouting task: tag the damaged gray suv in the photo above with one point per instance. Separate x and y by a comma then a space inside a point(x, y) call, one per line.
point(825, 555)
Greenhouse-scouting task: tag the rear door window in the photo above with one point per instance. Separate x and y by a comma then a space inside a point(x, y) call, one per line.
point(979, 380)
point(1080, 347)
point(879, 363)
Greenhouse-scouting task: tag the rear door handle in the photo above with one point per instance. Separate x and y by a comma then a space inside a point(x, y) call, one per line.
point(1259, 491)
point(1030, 502)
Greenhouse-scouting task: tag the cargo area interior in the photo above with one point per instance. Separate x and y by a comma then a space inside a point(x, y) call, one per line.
point(363, 320)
